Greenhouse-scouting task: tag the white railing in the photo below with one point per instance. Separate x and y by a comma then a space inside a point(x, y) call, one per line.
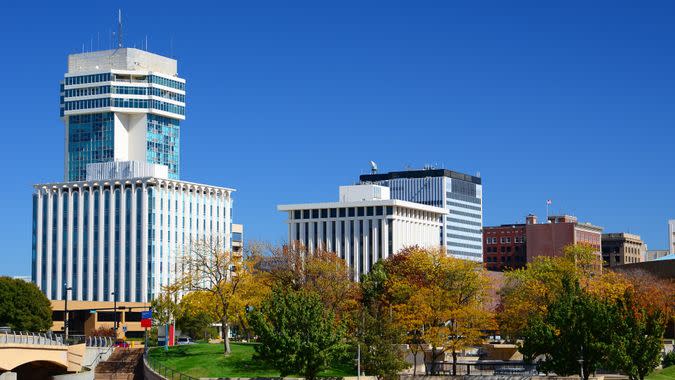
point(23, 337)
point(99, 341)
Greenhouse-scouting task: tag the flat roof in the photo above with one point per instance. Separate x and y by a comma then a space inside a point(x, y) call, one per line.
point(152, 180)
point(378, 202)
point(421, 173)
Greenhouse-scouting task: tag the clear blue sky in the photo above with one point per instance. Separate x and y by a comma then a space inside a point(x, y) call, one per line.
point(572, 101)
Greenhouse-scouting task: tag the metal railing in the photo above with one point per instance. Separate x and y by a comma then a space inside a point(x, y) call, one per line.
point(164, 371)
point(24, 337)
point(98, 341)
point(481, 368)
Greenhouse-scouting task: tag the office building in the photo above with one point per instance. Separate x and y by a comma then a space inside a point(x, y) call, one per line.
point(622, 248)
point(460, 194)
point(549, 239)
point(364, 226)
point(671, 235)
point(116, 227)
point(121, 105)
point(653, 254)
point(504, 247)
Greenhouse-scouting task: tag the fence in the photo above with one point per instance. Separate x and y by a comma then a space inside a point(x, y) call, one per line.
point(98, 341)
point(481, 368)
point(24, 337)
point(164, 371)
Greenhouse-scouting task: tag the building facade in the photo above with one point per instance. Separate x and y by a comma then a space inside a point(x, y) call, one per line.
point(121, 105)
point(504, 247)
point(671, 235)
point(237, 239)
point(622, 248)
point(550, 239)
point(460, 194)
point(116, 228)
point(364, 226)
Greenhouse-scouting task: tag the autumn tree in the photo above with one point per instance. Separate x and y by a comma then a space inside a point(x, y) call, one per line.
point(441, 298)
point(221, 277)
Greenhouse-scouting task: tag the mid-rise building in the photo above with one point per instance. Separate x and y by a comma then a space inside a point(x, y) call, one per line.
point(653, 254)
point(549, 239)
point(364, 226)
point(460, 194)
point(622, 248)
point(671, 235)
point(116, 227)
point(504, 247)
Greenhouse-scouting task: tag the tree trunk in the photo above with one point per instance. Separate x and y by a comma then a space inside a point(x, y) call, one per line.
point(414, 362)
point(226, 337)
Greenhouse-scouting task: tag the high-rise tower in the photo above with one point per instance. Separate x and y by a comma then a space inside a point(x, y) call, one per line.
point(121, 105)
point(116, 227)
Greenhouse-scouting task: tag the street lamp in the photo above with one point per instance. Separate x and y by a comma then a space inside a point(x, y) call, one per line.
point(65, 312)
point(115, 312)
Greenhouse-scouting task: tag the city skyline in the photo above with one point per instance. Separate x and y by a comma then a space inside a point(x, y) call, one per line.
point(311, 97)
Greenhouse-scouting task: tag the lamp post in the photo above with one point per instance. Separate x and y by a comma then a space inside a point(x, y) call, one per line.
point(114, 313)
point(65, 312)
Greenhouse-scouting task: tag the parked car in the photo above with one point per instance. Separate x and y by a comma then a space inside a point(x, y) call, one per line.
point(184, 340)
point(121, 343)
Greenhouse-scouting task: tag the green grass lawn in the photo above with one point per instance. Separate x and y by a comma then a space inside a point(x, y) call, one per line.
point(664, 374)
point(207, 360)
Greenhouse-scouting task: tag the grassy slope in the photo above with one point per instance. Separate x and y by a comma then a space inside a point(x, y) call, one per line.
point(207, 360)
point(664, 374)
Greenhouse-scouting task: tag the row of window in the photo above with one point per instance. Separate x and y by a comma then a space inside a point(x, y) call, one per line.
point(503, 249)
point(124, 103)
point(342, 212)
point(107, 77)
point(505, 240)
point(124, 90)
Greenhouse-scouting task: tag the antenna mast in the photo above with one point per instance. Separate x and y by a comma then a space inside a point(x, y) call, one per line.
point(119, 28)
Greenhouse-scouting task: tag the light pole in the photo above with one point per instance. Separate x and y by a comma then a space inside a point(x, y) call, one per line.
point(114, 313)
point(65, 312)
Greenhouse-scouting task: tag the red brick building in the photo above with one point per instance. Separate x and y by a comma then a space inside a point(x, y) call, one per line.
point(513, 246)
point(504, 247)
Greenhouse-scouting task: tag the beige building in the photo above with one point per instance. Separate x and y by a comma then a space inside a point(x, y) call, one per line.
point(622, 248)
point(237, 239)
point(88, 316)
point(653, 254)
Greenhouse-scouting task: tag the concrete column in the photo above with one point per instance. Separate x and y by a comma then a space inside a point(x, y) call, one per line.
point(122, 263)
point(90, 246)
point(69, 249)
point(100, 296)
point(79, 277)
point(50, 243)
point(38, 232)
point(111, 246)
point(132, 245)
point(59, 246)
point(144, 245)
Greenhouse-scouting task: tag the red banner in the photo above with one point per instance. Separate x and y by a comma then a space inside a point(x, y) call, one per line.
point(146, 322)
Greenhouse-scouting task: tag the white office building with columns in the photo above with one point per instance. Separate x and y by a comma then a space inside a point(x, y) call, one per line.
point(115, 228)
point(364, 226)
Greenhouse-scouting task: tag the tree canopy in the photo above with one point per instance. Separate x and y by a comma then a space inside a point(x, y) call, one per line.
point(23, 306)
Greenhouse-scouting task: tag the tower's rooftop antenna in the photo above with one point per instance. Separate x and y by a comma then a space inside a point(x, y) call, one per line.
point(119, 28)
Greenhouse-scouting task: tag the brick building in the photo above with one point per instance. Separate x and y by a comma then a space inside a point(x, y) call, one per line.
point(504, 247)
point(513, 246)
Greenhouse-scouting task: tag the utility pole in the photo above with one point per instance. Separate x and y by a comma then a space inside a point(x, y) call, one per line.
point(115, 312)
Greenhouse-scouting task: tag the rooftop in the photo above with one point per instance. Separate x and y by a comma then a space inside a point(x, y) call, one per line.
point(420, 173)
point(120, 59)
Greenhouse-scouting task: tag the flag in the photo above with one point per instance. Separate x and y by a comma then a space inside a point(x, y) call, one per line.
point(548, 202)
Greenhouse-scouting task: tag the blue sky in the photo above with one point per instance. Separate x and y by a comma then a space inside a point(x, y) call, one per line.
point(567, 100)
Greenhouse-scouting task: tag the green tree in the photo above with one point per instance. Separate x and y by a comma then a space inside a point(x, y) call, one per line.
point(298, 335)
point(23, 306)
point(379, 336)
point(573, 328)
point(636, 338)
point(196, 325)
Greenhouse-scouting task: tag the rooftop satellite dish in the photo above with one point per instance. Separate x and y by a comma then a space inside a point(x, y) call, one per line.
point(373, 167)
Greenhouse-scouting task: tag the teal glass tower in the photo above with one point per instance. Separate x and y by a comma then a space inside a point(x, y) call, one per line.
point(121, 105)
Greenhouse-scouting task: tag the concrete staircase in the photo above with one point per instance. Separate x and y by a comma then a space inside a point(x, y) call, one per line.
point(123, 364)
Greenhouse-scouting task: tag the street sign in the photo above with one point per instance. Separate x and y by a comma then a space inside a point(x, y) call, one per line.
point(124, 328)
